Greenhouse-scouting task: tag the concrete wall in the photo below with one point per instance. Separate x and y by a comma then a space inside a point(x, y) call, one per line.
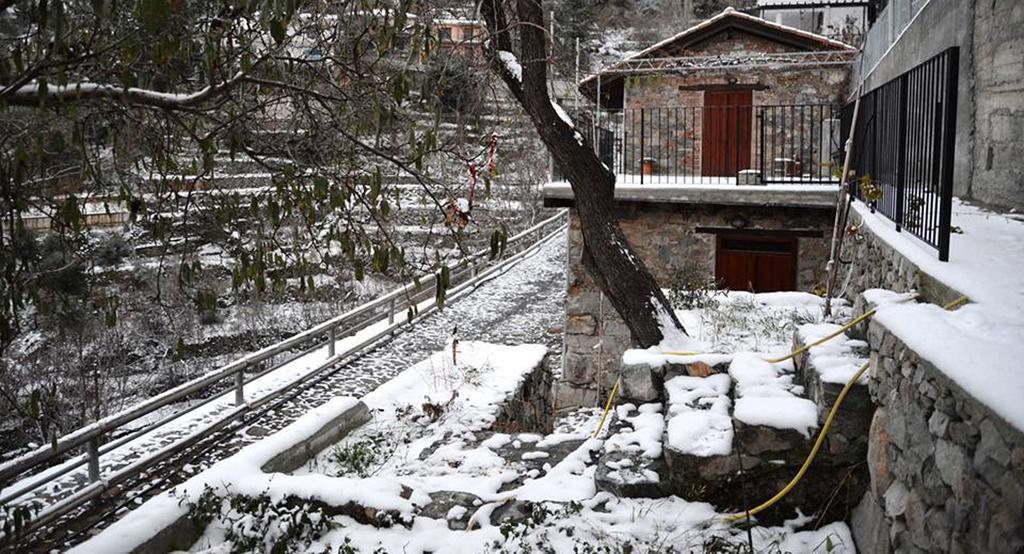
point(665, 237)
point(998, 176)
point(937, 25)
point(990, 95)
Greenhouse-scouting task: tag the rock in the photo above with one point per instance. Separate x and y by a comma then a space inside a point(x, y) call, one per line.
point(513, 512)
point(629, 474)
point(640, 383)
point(952, 465)
point(938, 423)
point(257, 431)
point(869, 527)
point(895, 499)
point(577, 369)
point(442, 502)
point(760, 440)
point(878, 453)
point(699, 369)
point(582, 324)
point(937, 524)
point(991, 446)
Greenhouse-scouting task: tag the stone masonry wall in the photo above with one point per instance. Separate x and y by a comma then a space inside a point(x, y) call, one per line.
point(666, 239)
point(947, 474)
point(875, 264)
point(673, 137)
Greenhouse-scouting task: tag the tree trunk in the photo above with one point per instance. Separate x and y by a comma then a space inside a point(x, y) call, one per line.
point(607, 255)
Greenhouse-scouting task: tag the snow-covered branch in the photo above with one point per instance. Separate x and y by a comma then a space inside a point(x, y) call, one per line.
point(29, 95)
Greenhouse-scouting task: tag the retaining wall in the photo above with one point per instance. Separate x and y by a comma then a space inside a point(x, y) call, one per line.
point(947, 474)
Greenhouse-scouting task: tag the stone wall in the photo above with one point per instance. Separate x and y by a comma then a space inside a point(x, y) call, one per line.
point(998, 48)
point(665, 237)
point(875, 264)
point(673, 136)
point(947, 474)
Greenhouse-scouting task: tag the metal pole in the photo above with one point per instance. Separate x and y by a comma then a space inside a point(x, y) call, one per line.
point(901, 150)
point(948, 152)
point(333, 338)
point(597, 119)
point(830, 267)
point(240, 387)
point(642, 160)
point(575, 85)
point(93, 454)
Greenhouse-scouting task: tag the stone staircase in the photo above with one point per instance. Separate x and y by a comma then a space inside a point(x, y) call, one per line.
point(735, 431)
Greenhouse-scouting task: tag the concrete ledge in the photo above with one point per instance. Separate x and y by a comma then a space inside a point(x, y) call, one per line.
point(183, 531)
point(305, 450)
point(805, 196)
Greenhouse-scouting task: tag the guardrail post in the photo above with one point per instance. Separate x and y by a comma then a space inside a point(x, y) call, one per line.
point(240, 387)
point(331, 340)
point(92, 453)
point(391, 311)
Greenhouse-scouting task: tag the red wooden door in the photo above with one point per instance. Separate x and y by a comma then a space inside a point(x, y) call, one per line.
point(725, 145)
point(755, 263)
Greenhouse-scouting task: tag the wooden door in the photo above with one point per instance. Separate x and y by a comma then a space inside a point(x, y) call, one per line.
point(756, 263)
point(725, 145)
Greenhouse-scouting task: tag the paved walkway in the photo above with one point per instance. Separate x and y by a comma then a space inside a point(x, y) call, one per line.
point(523, 305)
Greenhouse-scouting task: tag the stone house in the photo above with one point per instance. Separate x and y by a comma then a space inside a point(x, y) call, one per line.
point(687, 213)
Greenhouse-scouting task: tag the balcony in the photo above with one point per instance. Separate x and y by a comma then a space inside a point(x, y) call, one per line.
point(792, 144)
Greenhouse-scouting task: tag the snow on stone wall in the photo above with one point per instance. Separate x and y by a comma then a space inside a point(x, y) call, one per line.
point(947, 474)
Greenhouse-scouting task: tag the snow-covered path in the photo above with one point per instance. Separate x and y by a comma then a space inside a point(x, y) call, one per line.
point(525, 304)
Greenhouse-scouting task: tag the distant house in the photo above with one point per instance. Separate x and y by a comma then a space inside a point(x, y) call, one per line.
point(845, 20)
point(686, 105)
point(720, 138)
point(461, 35)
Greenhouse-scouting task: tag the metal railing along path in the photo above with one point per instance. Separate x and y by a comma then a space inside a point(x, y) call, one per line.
point(382, 313)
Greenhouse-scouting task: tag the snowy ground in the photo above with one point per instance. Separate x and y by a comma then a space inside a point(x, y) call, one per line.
point(522, 305)
point(453, 483)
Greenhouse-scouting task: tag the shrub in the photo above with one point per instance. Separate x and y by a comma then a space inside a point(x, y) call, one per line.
point(691, 288)
point(111, 250)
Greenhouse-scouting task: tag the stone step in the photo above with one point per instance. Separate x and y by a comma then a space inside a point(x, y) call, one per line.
point(758, 416)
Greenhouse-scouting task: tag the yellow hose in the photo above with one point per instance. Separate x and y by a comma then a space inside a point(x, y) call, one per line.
point(810, 457)
point(824, 428)
point(828, 422)
point(607, 407)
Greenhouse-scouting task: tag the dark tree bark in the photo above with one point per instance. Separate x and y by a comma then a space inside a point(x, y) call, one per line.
point(607, 256)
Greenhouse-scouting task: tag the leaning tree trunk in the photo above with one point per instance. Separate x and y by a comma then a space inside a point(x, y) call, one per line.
point(607, 256)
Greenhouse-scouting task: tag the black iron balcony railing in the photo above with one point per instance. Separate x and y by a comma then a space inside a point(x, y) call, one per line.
point(903, 150)
point(727, 144)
